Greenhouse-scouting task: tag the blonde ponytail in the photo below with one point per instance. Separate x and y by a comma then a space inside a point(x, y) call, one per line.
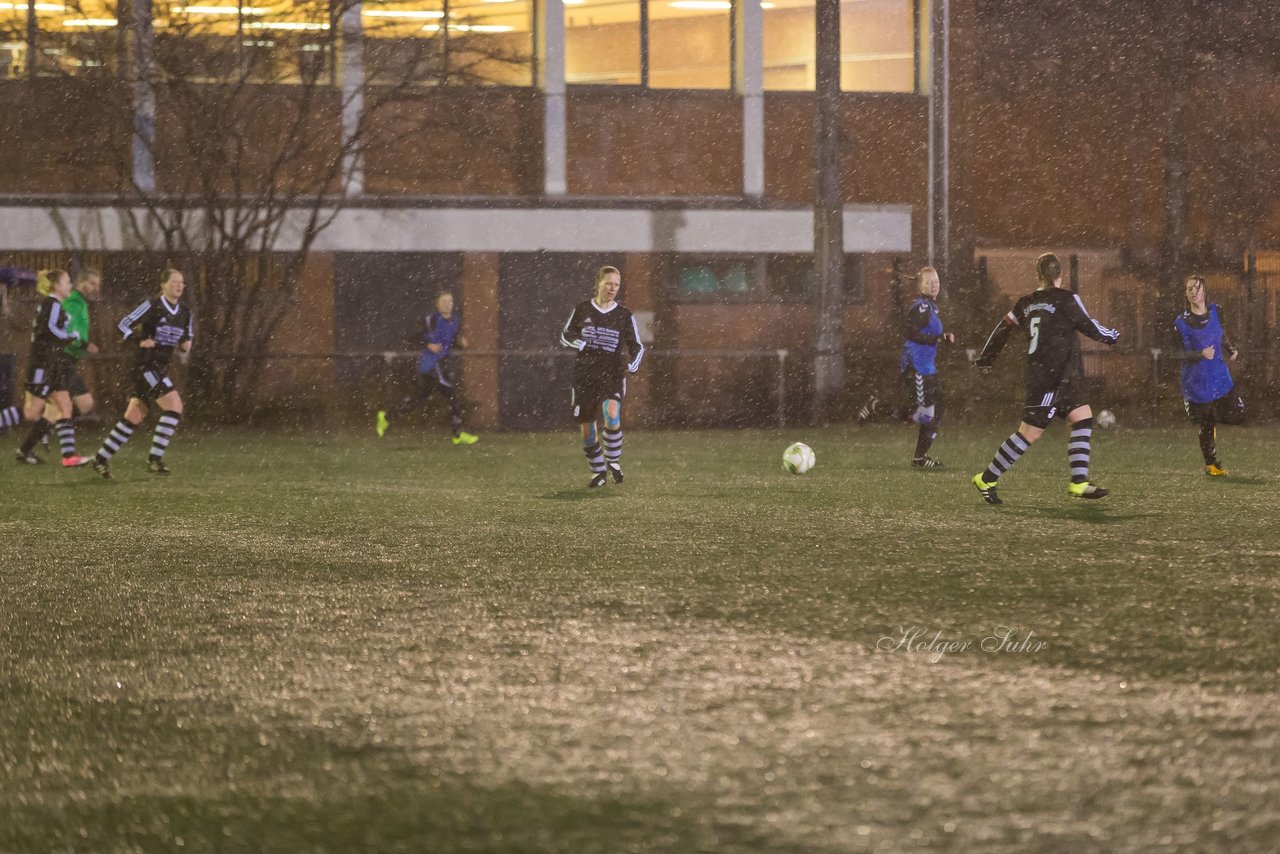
point(46, 279)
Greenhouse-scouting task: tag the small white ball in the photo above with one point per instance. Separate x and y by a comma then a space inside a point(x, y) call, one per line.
point(1106, 419)
point(798, 458)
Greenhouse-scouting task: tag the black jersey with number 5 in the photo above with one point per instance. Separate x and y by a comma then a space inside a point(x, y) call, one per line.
point(1051, 318)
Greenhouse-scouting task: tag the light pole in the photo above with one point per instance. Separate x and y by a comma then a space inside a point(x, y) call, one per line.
point(828, 215)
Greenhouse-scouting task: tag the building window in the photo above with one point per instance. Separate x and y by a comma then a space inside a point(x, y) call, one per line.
point(420, 42)
point(877, 45)
point(689, 44)
point(714, 277)
point(602, 41)
point(757, 278)
point(792, 278)
point(662, 44)
point(855, 278)
point(456, 42)
point(70, 38)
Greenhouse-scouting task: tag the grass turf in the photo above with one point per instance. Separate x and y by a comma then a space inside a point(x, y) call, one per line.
point(338, 644)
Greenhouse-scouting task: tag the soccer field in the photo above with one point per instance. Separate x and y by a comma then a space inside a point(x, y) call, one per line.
point(330, 643)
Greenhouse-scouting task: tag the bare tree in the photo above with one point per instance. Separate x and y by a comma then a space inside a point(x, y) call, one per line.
point(245, 144)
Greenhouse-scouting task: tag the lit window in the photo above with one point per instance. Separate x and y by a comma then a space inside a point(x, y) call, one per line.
point(602, 42)
point(789, 44)
point(493, 41)
point(877, 45)
point(459, 42)
point(689, 44)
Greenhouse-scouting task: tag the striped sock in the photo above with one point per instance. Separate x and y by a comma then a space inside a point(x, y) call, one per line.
point(1078, 450)
point(1012, 449)
point(10, 416)
point(595, 457)
point(115, 440)
point(37, 431)
point(165, 428)
point(66, 437)
point(613, 445)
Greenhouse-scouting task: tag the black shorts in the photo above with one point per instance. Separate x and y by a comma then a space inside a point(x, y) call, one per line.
point(1228, 409)
point(75, 383)
point(53, 375)
point(151, 383)
point(924, 396)
point(441, 372)
point(588, 398)
point(1044, 404)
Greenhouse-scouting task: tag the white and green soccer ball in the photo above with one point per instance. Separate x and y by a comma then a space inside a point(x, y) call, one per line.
point(798, 458)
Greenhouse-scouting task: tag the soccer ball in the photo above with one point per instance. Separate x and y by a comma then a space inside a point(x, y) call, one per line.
point(1106, 419)
point(798, 458)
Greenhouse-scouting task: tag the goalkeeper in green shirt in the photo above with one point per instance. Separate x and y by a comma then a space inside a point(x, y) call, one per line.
point(76, 305)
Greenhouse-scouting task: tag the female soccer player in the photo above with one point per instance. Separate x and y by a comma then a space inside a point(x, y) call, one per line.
point(923, 331)
point(1208, 392)
point(608, 343)
point(1051, 316)
point(87, 289)
point(48, 374)
point(159, 326)
point(435, 370)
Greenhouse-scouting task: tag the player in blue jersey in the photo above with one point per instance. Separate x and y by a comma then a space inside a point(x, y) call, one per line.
point(435, 370)
point(923, 330)
point(1208, 392)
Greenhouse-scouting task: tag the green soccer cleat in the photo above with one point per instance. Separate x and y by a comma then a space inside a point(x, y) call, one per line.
point(1086, 490)
point(465, 438)
point(381, 425)
point(986, 490)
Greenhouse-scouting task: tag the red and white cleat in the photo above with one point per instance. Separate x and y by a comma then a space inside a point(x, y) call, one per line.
point(74, 462)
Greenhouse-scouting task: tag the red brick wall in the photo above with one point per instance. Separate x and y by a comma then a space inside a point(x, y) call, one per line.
point(629, 143)
point(458, 141)
point(56, 136)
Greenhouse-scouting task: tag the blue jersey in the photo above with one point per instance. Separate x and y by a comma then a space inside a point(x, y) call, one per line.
point(923, 329)
point(439, 330)
point(1203, 380)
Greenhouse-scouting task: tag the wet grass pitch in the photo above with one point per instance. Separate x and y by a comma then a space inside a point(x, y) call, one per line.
point(336, 644)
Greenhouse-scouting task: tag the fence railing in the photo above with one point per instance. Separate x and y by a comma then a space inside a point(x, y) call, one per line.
point(528, 389)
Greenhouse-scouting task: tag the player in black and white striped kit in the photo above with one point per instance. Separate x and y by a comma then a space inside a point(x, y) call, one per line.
point(159, 326)
point(1051, 317)
point(608, 343)
point(49, 373)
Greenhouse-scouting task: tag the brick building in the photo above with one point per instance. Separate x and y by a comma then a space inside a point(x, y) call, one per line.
point(672, 139)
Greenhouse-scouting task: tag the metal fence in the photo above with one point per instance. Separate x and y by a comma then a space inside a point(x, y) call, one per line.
point(529, 389)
